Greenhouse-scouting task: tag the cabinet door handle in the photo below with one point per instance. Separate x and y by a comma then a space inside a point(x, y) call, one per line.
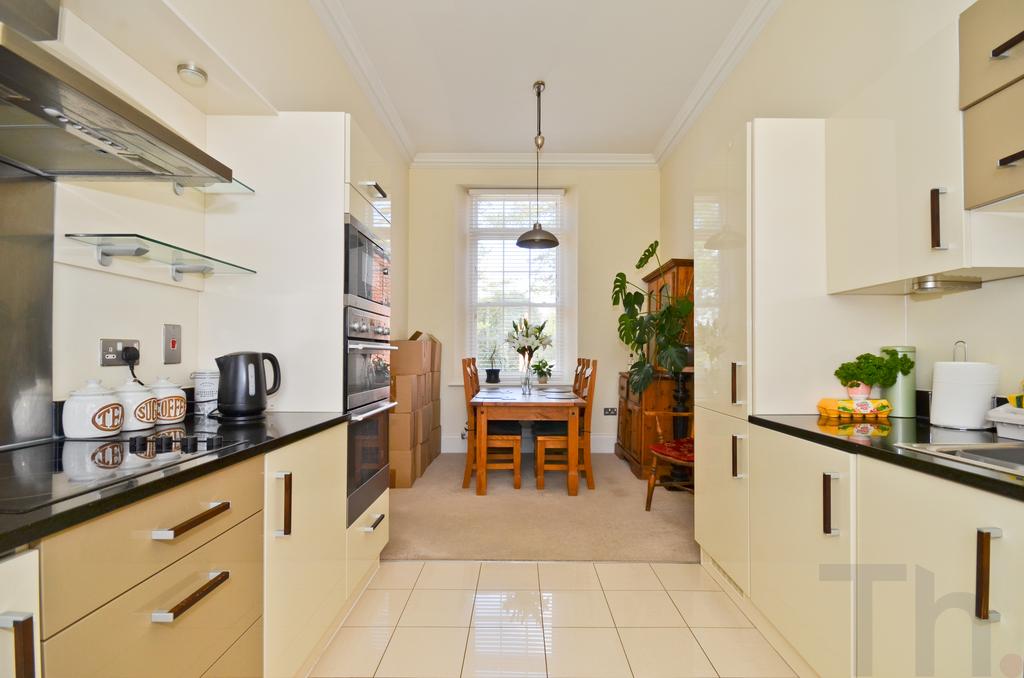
point(826, 504)
point(287, 527)
point(736, 456)
point(983, 573)
point(1011, 160)
point(216, 508)
point(24, 642)
point(734, 396)
point(937, 219)
point(168, 616)
point(1000, 52)
point(375, 525)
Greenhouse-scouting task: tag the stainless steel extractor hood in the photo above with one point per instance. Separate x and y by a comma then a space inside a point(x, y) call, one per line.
point(56, 122)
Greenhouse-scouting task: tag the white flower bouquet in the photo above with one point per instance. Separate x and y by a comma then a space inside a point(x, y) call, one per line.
point(526, 339)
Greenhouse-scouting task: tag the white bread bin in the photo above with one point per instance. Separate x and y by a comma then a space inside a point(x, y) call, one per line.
point(962, 394)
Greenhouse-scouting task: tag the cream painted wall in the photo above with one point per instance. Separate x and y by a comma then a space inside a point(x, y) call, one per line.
point(811, 59)
point(616, 216)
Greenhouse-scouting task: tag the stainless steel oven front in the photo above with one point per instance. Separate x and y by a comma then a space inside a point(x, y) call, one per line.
point(368, 364)
point(368, 469)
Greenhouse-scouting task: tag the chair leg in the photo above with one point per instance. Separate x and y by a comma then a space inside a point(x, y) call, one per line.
point(652, 481)
point(470, 456)
point(517, 463)
point(539, 464)
point(587, 468)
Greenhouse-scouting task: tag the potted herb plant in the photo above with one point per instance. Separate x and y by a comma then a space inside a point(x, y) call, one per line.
point(542, 368)
point(868, 369)
point(493, 372)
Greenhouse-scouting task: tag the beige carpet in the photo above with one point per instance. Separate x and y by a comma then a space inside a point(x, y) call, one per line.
point(437, 519)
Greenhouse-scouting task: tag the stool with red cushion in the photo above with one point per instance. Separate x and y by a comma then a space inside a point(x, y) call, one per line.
point(677, 454)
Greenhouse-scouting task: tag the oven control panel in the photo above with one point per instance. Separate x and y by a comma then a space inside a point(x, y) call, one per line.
point(360, 324)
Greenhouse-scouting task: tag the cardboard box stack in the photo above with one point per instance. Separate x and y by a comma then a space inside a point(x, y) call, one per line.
point(415, 423)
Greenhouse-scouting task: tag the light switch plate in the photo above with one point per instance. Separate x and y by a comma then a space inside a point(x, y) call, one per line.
point(172, 344)
point(110, 351)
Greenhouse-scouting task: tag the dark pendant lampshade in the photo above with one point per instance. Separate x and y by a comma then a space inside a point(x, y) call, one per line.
point(537, 239)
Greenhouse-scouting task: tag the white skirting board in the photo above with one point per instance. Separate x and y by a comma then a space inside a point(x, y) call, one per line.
point(602, 443)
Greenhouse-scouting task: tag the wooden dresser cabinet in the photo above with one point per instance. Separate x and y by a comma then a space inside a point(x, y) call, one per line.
point(639, 417)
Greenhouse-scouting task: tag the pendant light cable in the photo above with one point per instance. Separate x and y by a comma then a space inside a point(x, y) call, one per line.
point(537, 237)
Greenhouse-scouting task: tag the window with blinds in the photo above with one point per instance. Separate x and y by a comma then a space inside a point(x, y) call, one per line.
point(507, 283)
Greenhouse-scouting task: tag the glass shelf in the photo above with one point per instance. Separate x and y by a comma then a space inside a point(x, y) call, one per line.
point(179, 259)
point(236, 187)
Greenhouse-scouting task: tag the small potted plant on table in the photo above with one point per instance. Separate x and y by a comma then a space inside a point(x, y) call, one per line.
point(868, 369)
point(493, 372)
point(542, 368)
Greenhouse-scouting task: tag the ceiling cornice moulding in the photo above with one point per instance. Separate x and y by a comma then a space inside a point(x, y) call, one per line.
point(346, 39)
point(500, 160)
point(753, 18)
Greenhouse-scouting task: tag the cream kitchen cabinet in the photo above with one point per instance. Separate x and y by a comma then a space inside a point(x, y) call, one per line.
point(20, 655)
point(366, 538)
point(305, 546)
point(994, 147)
point(369, 183)
point(991, 53)
point(802, 545)
point(721, 516)
point(924, 571)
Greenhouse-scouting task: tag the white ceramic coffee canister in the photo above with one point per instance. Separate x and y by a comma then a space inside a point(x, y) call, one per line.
point(140, 406)
point(92, 411)
point(170, 401)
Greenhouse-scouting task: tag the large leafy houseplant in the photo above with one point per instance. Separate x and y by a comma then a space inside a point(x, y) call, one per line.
point(655, 337)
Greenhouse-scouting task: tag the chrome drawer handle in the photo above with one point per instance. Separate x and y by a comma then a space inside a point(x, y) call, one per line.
point(170, 534)
point(24, 643)
point(168, 616)
point(376, 524)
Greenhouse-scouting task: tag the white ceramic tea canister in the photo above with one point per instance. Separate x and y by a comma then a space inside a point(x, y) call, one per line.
point(140, 406)
point(86, 462)
point(206, 384)
point(92, 411)
point(170, 401)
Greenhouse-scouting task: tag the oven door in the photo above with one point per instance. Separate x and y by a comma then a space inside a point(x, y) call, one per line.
point(368, 278)
point(368, 373)
point(368, 471)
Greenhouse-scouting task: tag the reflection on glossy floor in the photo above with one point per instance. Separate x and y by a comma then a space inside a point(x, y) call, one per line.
point(561, 619)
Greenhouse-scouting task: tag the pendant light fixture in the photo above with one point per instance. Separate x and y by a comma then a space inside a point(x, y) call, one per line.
point(537, 237)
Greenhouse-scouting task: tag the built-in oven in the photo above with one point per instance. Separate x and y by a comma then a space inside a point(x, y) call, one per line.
point(368, 358)
point(368, 470)
point(368, 270)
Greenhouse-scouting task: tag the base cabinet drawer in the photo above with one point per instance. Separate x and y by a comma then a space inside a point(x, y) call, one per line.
point(88, 565)
point(19, 615)
point(366, 538)
point(154, 631)
point(244, 659)
point(994, 148)
point(990, 59)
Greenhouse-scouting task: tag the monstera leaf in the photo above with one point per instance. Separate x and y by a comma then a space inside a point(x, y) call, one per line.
point(649, 253)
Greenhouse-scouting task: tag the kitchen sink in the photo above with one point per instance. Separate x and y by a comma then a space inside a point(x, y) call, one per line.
point(996, 456)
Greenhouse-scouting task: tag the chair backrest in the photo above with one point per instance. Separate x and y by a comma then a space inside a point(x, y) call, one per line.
point(577, 380)
point(470, 386)
point(587, 390)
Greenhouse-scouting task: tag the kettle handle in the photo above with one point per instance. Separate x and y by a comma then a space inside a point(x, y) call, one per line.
point(277, 372)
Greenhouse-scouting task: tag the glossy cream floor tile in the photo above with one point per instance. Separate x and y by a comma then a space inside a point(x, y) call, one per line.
point(590, 653)
point(643, 609)
point(449, 575)
point(665, 653)
point(507, 608)
point(354, 652)
point(684, 577)
point(438, 607)
point(628, 577)
point(378, 607)
point(568, 576)
point(575, 608)
point(396, 574)
point(424, 653)
point(708, 609)
point(505, 651)
point(741, 653)
point(508, 576)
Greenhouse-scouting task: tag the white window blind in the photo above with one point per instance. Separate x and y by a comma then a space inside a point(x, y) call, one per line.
point(507, 283)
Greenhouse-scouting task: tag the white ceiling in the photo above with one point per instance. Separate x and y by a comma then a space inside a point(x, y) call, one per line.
point(457, 74)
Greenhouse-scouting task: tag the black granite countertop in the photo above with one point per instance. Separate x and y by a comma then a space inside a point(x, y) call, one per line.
point(53, 469)
point(881, 441)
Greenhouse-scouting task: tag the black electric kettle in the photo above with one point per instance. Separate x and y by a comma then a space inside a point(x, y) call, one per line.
point(243, 383)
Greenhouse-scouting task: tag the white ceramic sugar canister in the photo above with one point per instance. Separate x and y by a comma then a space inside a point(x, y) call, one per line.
point(92, 411)
point(170, 401)
point(140, 406)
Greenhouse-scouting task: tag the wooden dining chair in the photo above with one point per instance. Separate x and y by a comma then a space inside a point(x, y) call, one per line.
point(552, 439)
point(668, 455)
point(577, 380)
point(504, 437)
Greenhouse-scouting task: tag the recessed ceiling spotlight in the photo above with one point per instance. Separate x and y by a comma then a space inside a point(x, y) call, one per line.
point(192, 74)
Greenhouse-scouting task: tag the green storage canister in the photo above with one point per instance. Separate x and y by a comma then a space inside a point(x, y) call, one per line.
point(903, 394)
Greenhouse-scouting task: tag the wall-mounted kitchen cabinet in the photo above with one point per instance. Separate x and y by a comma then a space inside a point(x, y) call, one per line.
point(935, 549)
point(994, 147)
point(895, 168)
point(369, 182)
point(991, 54)
point(305, 545)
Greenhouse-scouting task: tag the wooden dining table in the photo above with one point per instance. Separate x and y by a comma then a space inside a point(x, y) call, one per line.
point(512, 404)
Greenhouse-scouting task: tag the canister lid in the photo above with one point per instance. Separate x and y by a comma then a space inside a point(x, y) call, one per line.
point(901, 349)
point(93, 387)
